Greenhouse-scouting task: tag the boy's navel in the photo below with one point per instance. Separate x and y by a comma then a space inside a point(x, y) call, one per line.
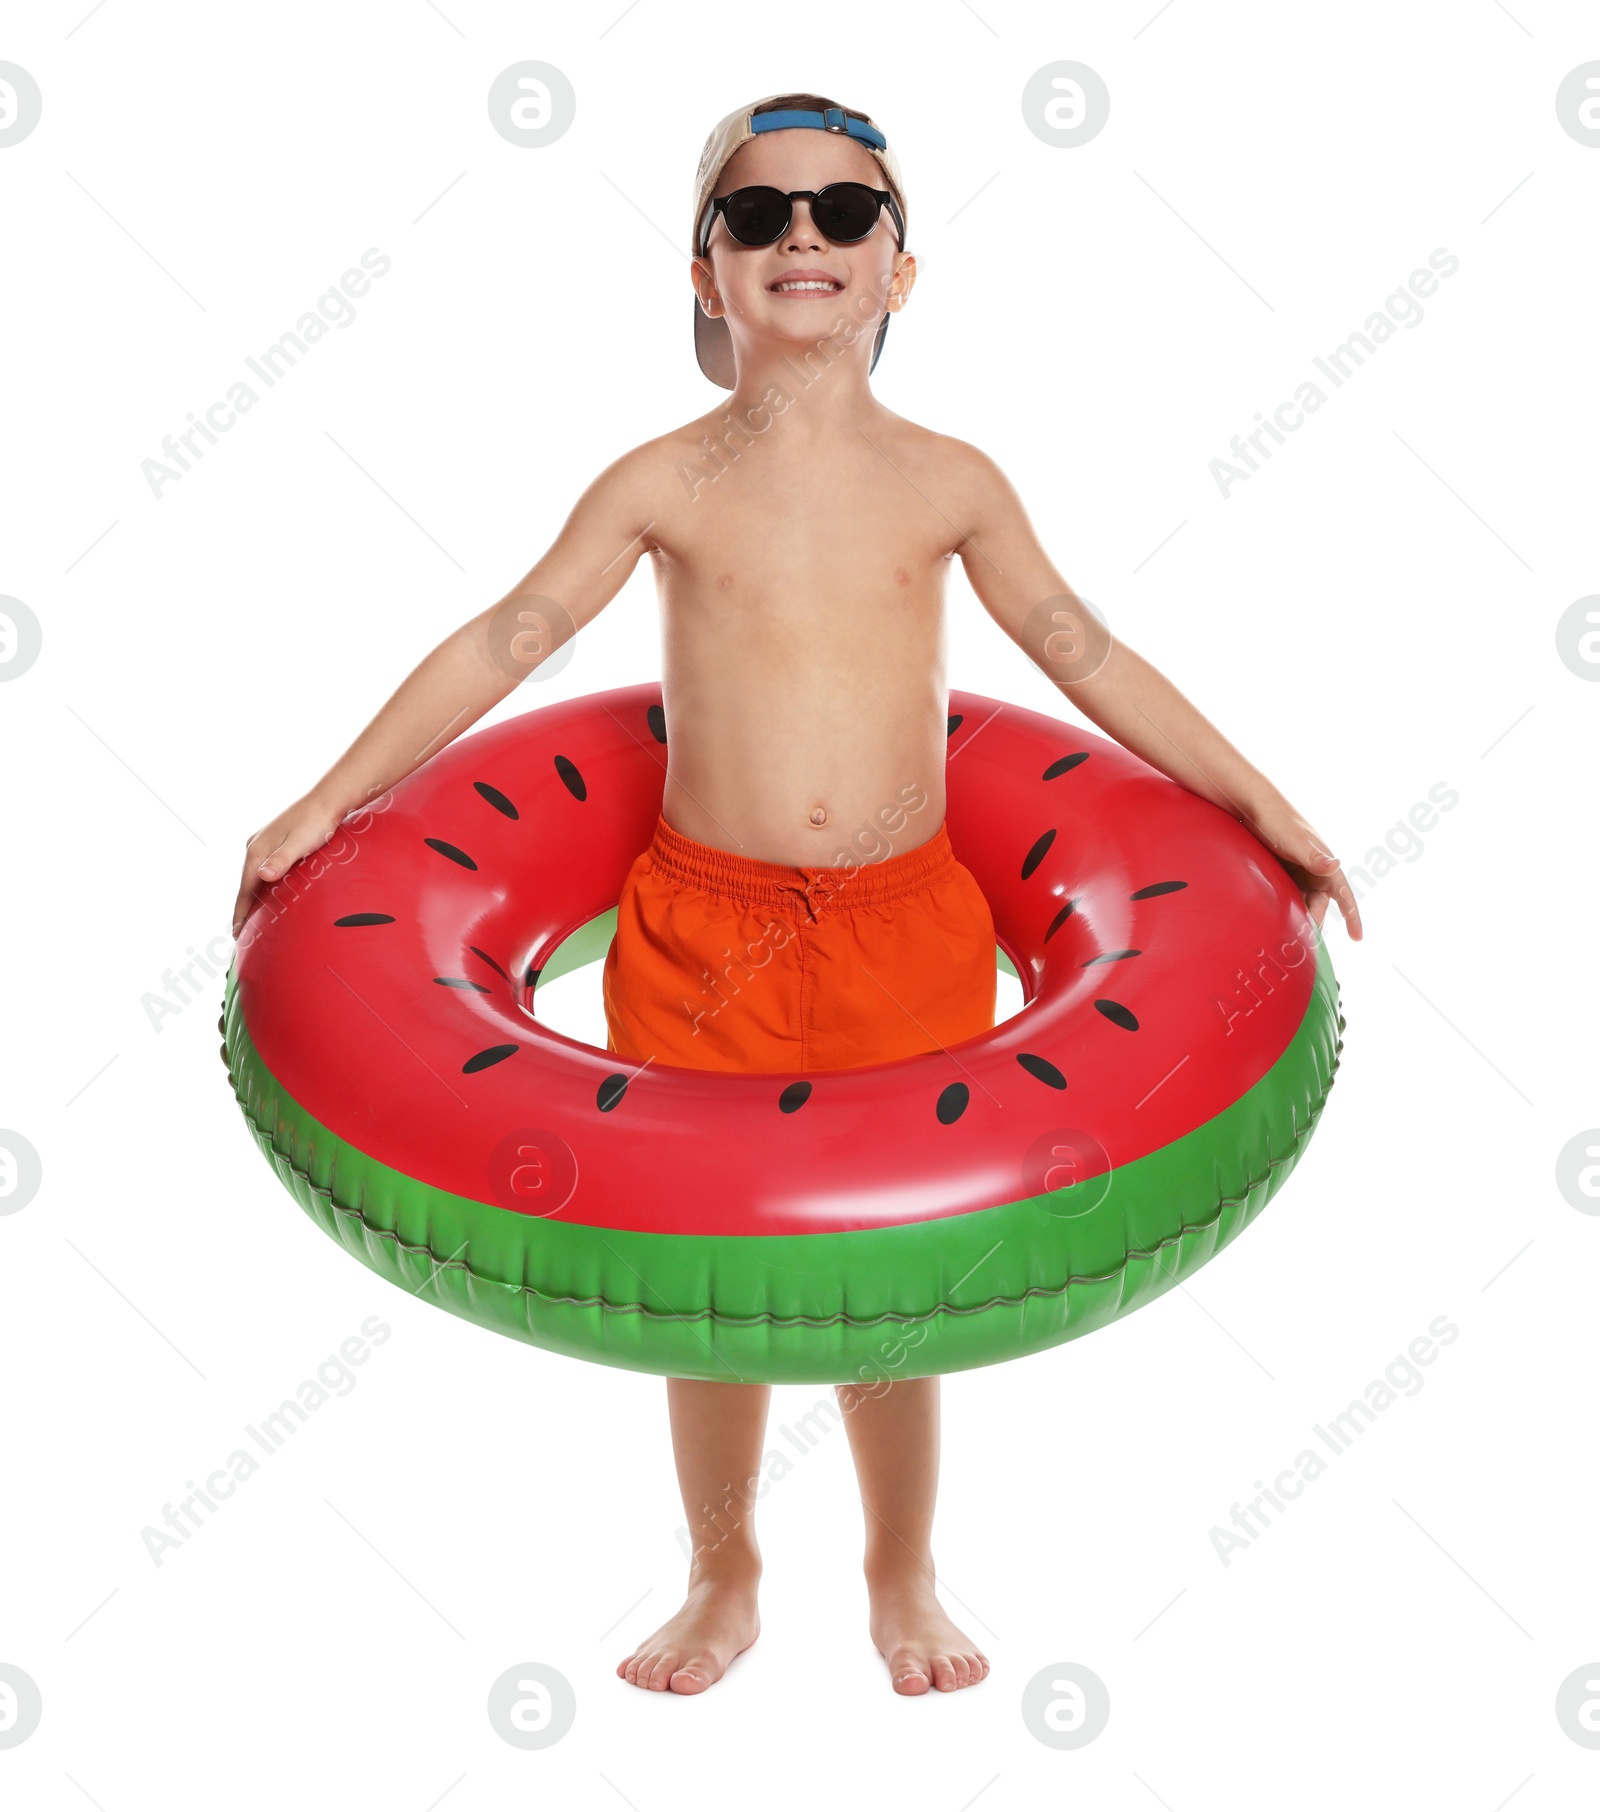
point(818, 815)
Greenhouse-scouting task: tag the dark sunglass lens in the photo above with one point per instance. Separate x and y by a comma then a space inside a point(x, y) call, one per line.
point(756, 216)
point(845, 211)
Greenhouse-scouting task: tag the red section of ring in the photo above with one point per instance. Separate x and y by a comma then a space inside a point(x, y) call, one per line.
point(385, 987)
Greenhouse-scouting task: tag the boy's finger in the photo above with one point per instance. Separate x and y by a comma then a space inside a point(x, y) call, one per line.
point(1345, 897)
point(276, 862)
point(254, 872)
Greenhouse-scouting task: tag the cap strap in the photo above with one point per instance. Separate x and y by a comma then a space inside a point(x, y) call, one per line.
point(835, 119)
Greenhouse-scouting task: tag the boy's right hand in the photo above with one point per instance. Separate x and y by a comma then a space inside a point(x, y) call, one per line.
point(274, 849)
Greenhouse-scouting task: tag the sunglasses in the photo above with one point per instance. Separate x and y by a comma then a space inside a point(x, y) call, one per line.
point(844, 213)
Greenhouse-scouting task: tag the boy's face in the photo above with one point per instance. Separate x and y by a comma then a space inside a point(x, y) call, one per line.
point(744, 282)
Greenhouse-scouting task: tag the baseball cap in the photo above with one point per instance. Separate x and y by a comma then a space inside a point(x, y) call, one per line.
point(713, 344)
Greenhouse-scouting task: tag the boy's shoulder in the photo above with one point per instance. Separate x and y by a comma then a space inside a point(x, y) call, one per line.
point(915, 439)
point(963, 457)
point(667, 455)
point(943, 457)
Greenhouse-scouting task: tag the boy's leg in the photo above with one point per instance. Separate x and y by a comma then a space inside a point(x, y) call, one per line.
point(717, 1431)
point(894, 1439)
point(694, 978)
point(929, 961)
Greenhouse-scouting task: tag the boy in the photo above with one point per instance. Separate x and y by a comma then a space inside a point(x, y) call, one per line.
point(800, 541)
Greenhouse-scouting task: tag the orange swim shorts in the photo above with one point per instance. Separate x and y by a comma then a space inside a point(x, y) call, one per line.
point(723, 962)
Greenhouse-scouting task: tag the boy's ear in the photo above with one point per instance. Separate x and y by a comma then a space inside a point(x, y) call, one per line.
point(905, 275)
point(705, 286)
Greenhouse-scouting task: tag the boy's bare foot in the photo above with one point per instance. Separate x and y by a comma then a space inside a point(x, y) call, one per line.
point(922, 1646)
point(691, 1651)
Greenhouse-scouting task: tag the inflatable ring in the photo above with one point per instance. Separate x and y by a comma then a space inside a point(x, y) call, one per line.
point(1178, 1040)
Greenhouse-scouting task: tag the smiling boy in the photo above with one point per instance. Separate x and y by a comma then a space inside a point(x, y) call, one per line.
point(801, 538)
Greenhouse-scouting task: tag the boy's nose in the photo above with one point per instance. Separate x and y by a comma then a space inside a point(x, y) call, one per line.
point(802, 228)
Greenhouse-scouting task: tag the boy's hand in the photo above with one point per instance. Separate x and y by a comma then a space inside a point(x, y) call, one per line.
point(275, 849)
point(1312, 869)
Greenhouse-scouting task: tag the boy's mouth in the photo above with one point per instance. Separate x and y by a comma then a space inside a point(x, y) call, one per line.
point(804, 283)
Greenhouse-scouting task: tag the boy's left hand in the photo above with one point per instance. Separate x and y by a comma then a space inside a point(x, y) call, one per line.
point(1311, 867)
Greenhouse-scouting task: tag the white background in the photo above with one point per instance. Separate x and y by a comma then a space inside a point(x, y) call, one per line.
point(1371, 614)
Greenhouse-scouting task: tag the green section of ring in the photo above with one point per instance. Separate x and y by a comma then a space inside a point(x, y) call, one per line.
point(912, 1300)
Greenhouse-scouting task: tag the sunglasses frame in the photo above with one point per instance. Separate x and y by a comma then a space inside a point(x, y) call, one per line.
point(719, 205)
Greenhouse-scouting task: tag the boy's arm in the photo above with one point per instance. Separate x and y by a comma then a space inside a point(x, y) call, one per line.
point(1119, 690)
point(471, 670)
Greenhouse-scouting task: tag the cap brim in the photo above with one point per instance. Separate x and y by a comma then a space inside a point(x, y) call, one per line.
point(713, 347)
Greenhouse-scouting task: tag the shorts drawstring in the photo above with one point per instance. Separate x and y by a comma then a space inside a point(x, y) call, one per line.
point(805, 893)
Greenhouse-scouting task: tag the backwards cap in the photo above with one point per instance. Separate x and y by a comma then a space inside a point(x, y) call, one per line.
point(713, 344)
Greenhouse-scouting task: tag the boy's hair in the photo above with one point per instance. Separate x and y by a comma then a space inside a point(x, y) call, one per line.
point(817, 103)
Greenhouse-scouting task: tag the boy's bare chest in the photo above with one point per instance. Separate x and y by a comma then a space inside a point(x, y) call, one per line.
point(857, 528)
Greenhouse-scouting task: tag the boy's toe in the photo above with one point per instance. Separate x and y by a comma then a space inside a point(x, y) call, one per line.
point(910, 1676)
point(944, 1674)
point(695, 1675)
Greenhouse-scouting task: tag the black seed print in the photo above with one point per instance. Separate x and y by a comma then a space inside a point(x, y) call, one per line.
point(496, 798)
point(952, 724)
point(458, 981)
point(221, 1027)
point(496, 1053)
point(611, 1091)
point(1059, 920)
point(531, 980)
point(450, 850)
point(571, 779)
point(796, 1095)
point(483, 956)
point(1149, 893)
point(1109, 956)
point(1117, 1014)
point(364, 918)
point(1065, 765)
point(657, 720)
point(1037, 854)
point(952, 1103)
point(1042, 1068)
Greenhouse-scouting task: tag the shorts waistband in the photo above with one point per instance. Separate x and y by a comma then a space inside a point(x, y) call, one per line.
point(759, 883)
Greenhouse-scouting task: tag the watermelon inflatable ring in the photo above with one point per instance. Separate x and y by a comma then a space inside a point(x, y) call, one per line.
point(1179, 1036)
